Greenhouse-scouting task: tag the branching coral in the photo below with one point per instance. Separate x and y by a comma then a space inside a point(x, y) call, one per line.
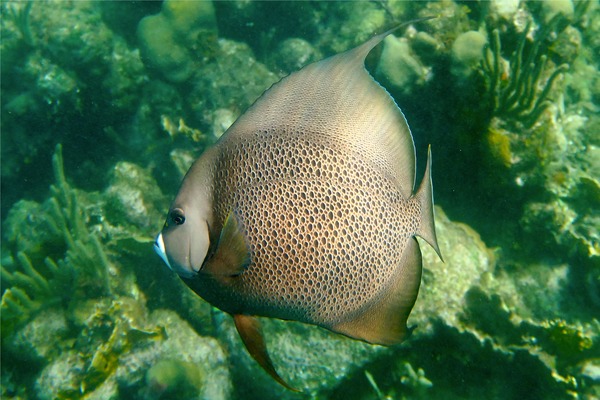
point(30, 290)
point(517, 91)
point(84, 250)
point(84, 267)
point(20, 17)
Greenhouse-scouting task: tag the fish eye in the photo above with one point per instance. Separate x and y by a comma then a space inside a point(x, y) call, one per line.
point(177, 216)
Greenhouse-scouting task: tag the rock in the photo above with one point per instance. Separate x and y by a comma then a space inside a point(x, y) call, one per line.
point(427, 47)
point(174, 379)
point(591, 370)
point(444, 284)
point(223, 118)
point(554, 7)
point(293, 54)
point(160, 50)
point(504, 8)
point(133, 198)
point(180, 350)
point(183, 160)
point(184, 345)
point(233, 81)
point(61, 377)
point(40, 339)
point(37, 238)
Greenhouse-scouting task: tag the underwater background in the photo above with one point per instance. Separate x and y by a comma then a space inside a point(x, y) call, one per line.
point(106, 104)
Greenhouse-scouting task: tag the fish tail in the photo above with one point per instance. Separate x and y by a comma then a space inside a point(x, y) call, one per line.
point(424, 196)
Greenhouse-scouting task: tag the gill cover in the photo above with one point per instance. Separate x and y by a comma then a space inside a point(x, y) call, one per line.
point(184, 241)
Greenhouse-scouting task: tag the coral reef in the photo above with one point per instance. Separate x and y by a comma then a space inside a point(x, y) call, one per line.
point(102, 337)
point(506, 92)
point(48, 83)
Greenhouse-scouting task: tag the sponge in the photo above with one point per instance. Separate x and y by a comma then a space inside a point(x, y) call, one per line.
point(169, 40)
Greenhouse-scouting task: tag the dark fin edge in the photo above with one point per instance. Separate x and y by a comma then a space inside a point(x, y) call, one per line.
point(250, 331)
point(425, 198)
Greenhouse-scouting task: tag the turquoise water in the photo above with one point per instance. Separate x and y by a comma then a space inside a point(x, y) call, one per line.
point(106, 104)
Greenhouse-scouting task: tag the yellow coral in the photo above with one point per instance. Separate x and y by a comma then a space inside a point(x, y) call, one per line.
point(173, 130)
point(498, 143)
point(127, 320)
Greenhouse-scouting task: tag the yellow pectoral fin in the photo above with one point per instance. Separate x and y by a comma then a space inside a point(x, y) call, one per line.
point(232, 256)
point(249, 329)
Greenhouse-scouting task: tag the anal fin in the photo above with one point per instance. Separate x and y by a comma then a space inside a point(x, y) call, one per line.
point(249, 329)
point(384, 321)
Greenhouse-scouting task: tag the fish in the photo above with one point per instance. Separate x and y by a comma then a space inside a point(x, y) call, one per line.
point(306, 209)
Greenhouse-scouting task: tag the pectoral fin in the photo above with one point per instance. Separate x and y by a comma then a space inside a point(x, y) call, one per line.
point(249, 329)
point(232, 256)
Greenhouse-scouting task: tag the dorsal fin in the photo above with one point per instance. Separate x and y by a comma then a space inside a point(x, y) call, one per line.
point(336, 98)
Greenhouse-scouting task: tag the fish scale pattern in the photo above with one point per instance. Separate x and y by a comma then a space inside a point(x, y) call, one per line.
point(326, 228)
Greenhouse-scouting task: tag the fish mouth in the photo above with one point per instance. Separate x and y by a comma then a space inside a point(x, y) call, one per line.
point(159, 248)
point(184, 271)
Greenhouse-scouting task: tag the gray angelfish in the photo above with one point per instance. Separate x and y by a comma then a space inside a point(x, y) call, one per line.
point(305, 210)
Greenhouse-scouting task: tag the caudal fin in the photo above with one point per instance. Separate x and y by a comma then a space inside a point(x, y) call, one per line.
point(425, 198)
